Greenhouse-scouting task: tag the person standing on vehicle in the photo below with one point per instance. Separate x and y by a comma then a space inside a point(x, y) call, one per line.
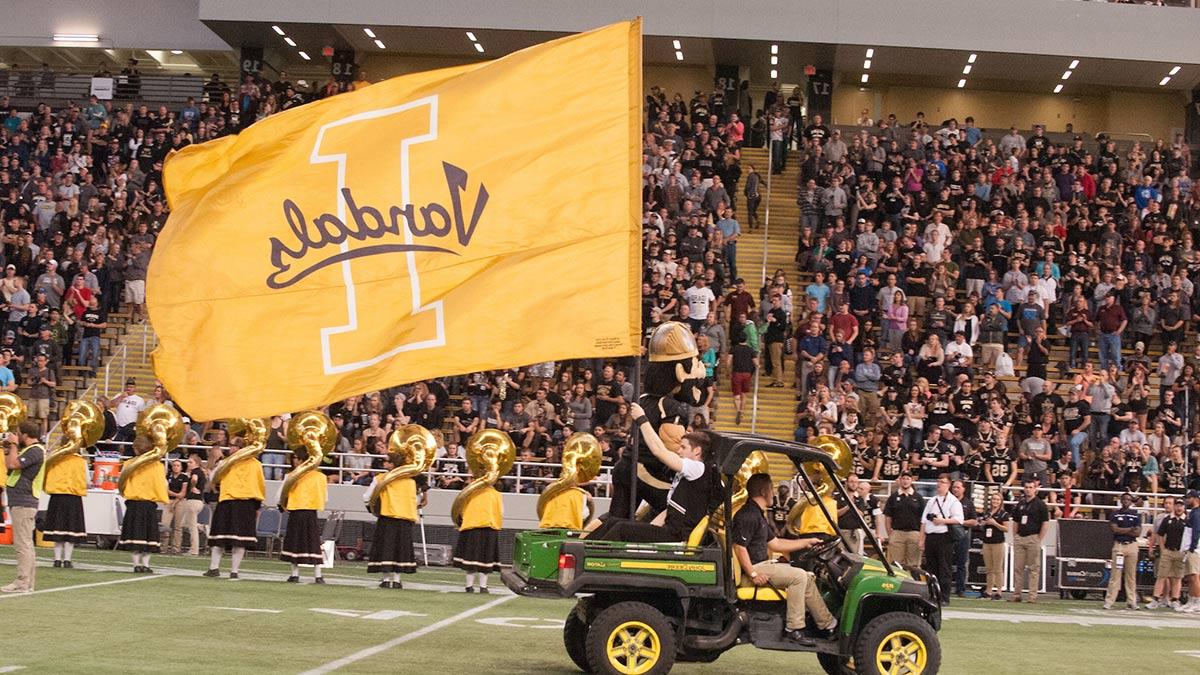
point(942, 511)
point(903, 516)
point(995, 526)
point(753, 542)
point(1029, 519)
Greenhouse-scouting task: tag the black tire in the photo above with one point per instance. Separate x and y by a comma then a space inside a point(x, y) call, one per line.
point(350, 555)
point(575, 632)
point(909, 629)
point(834, 664)
point(648, 626)
point(1079, 595)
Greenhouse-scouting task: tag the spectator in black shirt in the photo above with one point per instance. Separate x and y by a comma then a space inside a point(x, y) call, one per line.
point(430, 415)
point(1028, 526)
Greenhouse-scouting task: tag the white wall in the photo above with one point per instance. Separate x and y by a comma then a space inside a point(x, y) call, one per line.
point(1054, 27)
point(121, 24)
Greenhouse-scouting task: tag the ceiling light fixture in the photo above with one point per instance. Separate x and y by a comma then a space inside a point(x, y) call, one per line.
point(1074, 64)
point(962, 83)
point(1164, 80)
point(971, 58)
point(176, 52)
point(290, 41)
point(471, 36)
point(774, 74)
point(867, 64)
point(1067, 74)
point(865, 77)
point(1058, 88)
point(379, 43)
point(277, 29)
point(774, 49)
point(675, 43)
point(1175, 71)
point(478, 47)
point(76, 37)
point(305, 56)
point(370, 33)
point(870, 53)
point(678, 55)
point(774, 60)
point(967, 69)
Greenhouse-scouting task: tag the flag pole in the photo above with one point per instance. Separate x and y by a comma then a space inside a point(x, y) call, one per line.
point(635, 443)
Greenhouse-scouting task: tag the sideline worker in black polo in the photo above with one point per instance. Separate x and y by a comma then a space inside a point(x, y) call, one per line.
point(753, 541)
point(903, 512)
point(1028, 525)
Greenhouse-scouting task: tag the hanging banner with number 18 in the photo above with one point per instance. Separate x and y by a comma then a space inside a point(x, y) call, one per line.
point(472, 218)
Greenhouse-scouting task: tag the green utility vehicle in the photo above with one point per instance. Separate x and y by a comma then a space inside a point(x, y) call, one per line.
point(642, 607)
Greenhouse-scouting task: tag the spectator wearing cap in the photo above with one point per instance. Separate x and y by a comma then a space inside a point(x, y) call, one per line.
point(1111, 321)
point(42, 382)
point(52, 283)
point(902, 516)
point(1035, 454)
point(126, 406)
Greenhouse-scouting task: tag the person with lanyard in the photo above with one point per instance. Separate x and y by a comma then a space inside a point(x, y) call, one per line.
point(1168, 570)
point(962, 546)
point(1126, 526)
point(903, 519)
point(1028, 526)
point(1191, 556)
point(234, 521)
point(143, 491)
point(994, 524)
point(302, 541)
point(936, 541)
point(690, 497)
point(24, 488)
point(193, 504)
point(753, 544)
point(66, 483)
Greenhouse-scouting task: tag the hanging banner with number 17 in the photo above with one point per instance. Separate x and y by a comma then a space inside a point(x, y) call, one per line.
point(479, 217)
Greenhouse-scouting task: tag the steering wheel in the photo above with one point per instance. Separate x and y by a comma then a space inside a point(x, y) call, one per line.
point(821, 550)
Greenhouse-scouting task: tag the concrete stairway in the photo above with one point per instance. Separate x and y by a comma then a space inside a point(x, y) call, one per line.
point(776, 406)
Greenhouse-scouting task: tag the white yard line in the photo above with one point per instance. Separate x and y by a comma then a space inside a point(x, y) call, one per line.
point(79, 586)
point(1140, 619)
point(394, 642)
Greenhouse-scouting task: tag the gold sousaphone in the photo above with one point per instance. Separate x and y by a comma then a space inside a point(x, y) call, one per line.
point(411, 449)
point(580, 464)
point(490, 455)
point(756, 462)
point(312, 437)
point(253, 431)
point(12, 412)
point(82, 426)
point(162, 425)
point(842, 456)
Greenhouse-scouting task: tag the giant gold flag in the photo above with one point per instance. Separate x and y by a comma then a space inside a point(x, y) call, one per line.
point(478, 217)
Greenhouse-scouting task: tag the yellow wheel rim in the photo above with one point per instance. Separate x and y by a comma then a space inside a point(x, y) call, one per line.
point(633, 648)
point(901, 653)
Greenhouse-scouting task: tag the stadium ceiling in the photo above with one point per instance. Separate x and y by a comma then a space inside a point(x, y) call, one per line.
point(891, 66)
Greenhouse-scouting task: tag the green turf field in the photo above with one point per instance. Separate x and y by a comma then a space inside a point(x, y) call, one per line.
point(100, 618)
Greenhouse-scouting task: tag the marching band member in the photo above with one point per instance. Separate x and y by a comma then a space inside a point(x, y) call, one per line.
point(302, 541)
point(392, 549)
point(66, 483)
point(478, 510)
point(143, 491)
point(242, 491)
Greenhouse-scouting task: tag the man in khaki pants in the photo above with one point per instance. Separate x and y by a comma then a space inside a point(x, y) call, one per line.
point(1028, 525)
point(1126, 525)
point(903, 518)
point(753, 542)
point(23, 457)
